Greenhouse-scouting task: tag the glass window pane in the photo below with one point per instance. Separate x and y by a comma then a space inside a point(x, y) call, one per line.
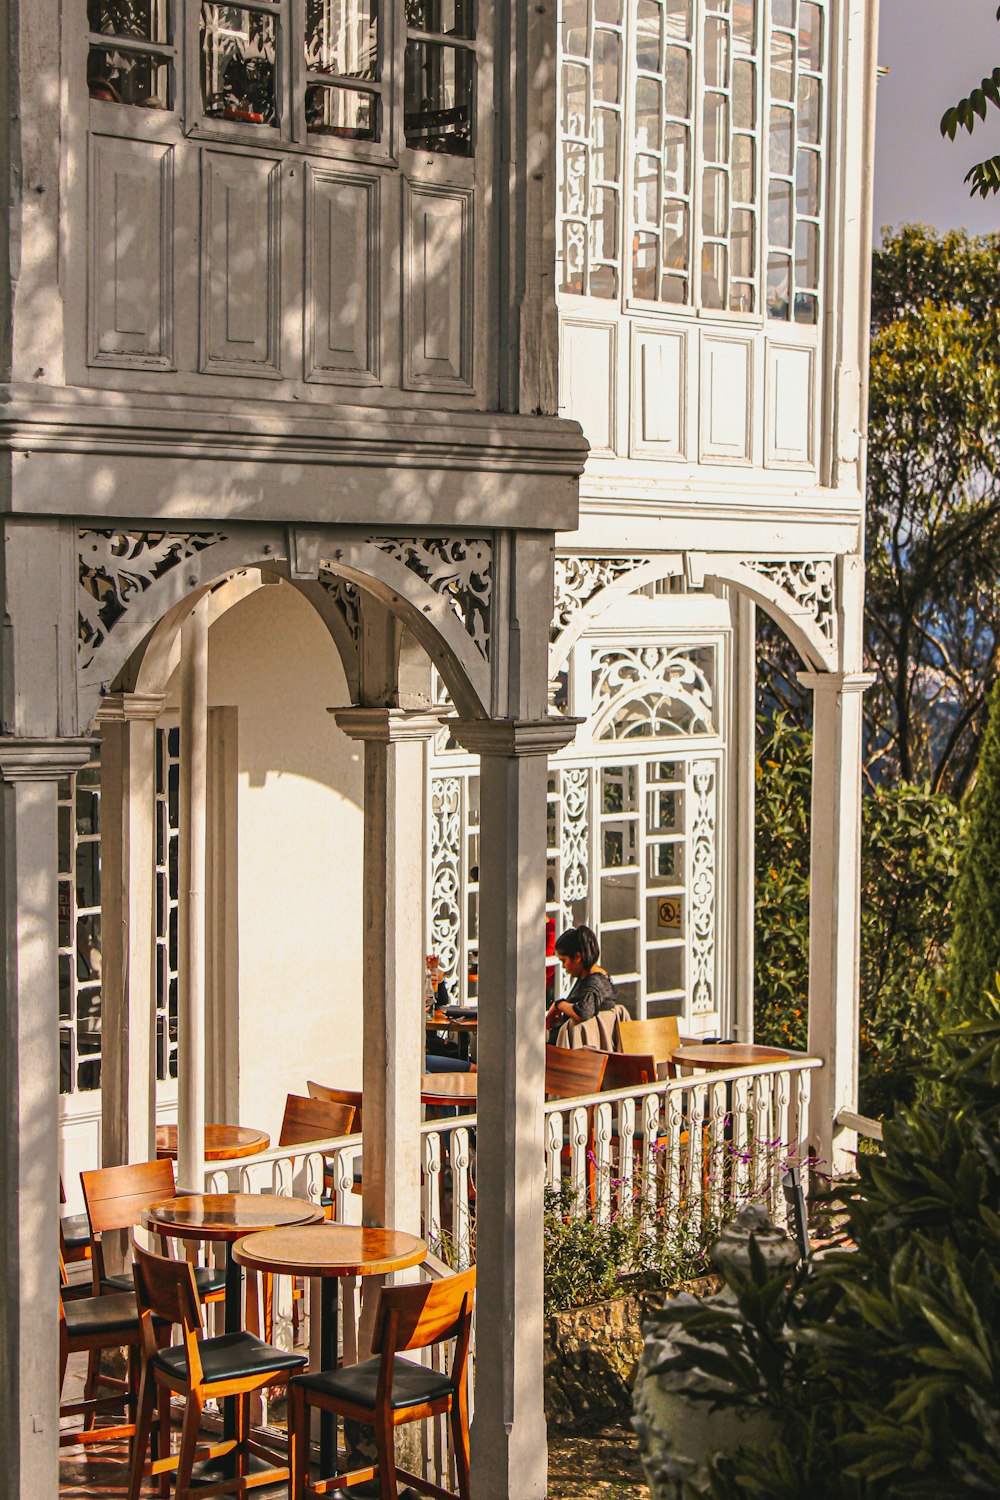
point(675, 158)
point(742, 244)
point(444, 17)
point(678, 74)
point(714, 260)
point(664, 969)
point(716, 61)
point(742, 296)
point(781, 66)
point(807, 183)
point(128, 78)
point(342, 37)
point(574, 28)
point(666, 770)
point(743, 169)
point(648, 28)
point(783, 13)
point(574, 180)
point(437, 98)
point(744, 31)
point(807, 255)
point(665, 864)
point(674, 289)
point(663, 921)
point(619, 950)
point(144, 19)
point(664, 810)
point(648, 114)
point(238, 49)
point(809, 110)
point(603, 224)
point(607, 50)
point(806, 308)
point(647, 190)
point(609, 11)
point(603, 281)
point(679, 19)
point(618, 789)
point(715, 202)
point(605, 144)
point(675, 238)
point(88, 874)
point(347, 113)
point(779, 275)
point(618, 844)
point(89, 1075)
point(574, 241)
point(574, 100)
point(716, 131)
point(780, 145)
point(88, 948)
point(779, 214)
point(744, 95)
point(810, 36)
point(645, 265)
point(619, 898)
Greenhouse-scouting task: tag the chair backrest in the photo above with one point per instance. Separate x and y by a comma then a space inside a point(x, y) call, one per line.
point(313, 1120)
point(573, 1070)
point(422, 1313)
point(658, 1037)
point(629, 1070)
point(338, 1096)
point(165, 1290)
point(116, 1196)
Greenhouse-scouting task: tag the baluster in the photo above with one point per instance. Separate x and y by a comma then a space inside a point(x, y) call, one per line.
point(782, 1095)
point(626, 1157)
point(674, 1104)
point(804, 1088)
point(579, 1141)
point(602, 1162)
point(343, 1182)
point(716, 1186)
point(432, 1188)
point(741, 1138)
point(553, 1149)
point(314, 1176)
point(650, 1137)
point(697, 1099)
point(461, 1216)
point(761, 1134)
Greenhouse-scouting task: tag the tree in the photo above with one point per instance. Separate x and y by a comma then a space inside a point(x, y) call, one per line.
point(975, 945)
point(933, 509)
point(984, 177)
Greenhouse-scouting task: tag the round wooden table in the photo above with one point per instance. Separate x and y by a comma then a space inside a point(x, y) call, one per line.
point(464, 1030)
point(448, 1088)
point(719, 1055)
point(225, 1217)
point(329, 1251)
point(221, 1141)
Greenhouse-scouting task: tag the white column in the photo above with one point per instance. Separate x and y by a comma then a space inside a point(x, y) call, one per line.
point(29, 1110)
point(835, 908)
point(192, 895)
point(393, 883)
point(509, 1455)
point(127, 723)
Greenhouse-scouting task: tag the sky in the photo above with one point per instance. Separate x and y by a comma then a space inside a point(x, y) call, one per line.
point(936, 51)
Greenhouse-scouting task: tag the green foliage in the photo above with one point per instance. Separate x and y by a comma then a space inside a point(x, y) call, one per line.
point(975, 953)
point(984, 177)
point(910, 839)
point(933, 511)
point(880, 1366)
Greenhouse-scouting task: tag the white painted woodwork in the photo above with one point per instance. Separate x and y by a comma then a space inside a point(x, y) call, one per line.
point(192, 888)
point(589, 366)
point(343, 301)
point(790, 405)
point(240, 247)
point(131, 253)
point(658, 395)
point(438, 259)
point(726, 399)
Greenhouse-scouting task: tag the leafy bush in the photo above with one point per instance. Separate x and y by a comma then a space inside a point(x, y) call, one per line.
point(910, 839)
point(880, 1366)
point(975, 952)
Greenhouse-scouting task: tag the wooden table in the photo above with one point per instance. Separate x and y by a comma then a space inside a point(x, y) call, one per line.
point(448, 1088)
point(329, 1251)
point(225, 1217)
point(464, 1030)
point(718, 1055)
point(221, 1141)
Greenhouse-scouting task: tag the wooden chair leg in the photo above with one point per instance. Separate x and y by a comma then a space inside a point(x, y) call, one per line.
point(242, 1433)
point(460, 1444)
point(143, 1429)
point(385, 1447)
point(189, 1442)
point(298, 1443)
point(163, 1443)
point(90, 1386)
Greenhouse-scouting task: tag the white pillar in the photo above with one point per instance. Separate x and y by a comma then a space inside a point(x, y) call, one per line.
point(393, 883)
point(29, 1110)
point(509, 1455)
point(835, 908)
point(127, 723)
point(192, 894)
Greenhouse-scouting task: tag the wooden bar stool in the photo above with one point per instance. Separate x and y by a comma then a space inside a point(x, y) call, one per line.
point(90, 1325)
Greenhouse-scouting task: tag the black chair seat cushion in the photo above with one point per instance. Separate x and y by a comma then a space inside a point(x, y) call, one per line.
point(233, 1356)
point(412, 1384)
point(96, 1315)
point(76, 1231)
point(206, 1278)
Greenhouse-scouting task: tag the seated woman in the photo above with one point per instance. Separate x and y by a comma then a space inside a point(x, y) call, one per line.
point(589, 1015)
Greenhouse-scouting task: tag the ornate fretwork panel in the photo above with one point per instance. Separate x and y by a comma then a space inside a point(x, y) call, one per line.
point(809, 582)
point(703, 885)
point(347, 599)
point(117, 566)
point(575, 834)
point(646, 692)
point(580, 579)
point(447, 876)
point(459, 568)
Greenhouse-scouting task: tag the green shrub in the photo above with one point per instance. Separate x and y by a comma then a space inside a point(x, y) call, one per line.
point(975, 951)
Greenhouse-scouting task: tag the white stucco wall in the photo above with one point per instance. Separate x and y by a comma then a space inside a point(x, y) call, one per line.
point(300, 844)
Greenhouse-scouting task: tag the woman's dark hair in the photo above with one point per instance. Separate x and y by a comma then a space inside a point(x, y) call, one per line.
point(579, 942)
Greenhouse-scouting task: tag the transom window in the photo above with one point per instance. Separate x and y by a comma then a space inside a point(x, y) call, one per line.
point(295, 69)
point(676, 117)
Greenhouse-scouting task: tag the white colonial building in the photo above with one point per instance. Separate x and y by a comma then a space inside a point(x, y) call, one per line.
point(308, 303)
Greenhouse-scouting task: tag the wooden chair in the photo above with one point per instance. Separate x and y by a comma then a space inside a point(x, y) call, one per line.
point(115, 1198)
point(573, 1070)
point(90, 1325)
point(234, 1365)
point(626, 1070)
point(74, 1233)
point(387, 1390)
point(658, 1037)
point(338, 1096)
point(314, 1120)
